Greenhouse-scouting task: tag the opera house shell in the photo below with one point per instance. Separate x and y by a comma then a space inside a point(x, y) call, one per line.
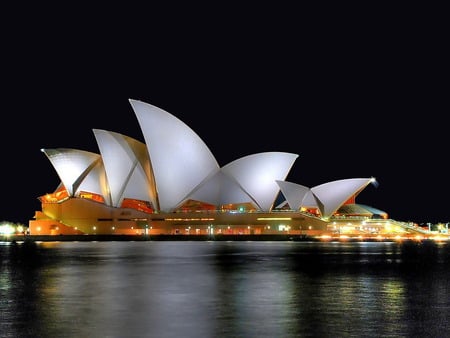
point(172, 184)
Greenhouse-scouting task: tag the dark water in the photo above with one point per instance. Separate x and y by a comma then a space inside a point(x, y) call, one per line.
point(225, 289)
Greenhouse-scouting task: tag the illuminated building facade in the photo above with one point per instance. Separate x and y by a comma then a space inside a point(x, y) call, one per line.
point(172, 184)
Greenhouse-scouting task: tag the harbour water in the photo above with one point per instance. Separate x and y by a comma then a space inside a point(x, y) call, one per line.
point(225, 289)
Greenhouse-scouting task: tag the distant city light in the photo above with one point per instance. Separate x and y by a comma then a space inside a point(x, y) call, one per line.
point(8, 228)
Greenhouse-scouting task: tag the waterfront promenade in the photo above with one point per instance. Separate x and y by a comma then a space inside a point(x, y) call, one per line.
point(90, 238)
point(217, 237)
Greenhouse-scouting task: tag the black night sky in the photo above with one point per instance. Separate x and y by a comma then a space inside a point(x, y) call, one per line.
point(356, 96)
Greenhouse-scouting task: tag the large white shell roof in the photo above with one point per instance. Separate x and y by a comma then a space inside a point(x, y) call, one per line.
point(127, 167)
point(180, 159)
point(220, 189)
point(248, 179)
point(257, 175)
point(175, 165)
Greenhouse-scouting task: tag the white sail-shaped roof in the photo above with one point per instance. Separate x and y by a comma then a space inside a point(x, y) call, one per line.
point(72, 166)
point(294, 193)
point(332, 195)
point(180, 159)
point(95, 182)
point(310, 201)
point(127, 167)
point(174, 165)
point(257, 175)
point(220, 189)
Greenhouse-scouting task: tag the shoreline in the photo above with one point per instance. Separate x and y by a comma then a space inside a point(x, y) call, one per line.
point(140, 238)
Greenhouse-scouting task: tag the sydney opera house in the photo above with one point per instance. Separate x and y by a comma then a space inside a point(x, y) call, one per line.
point(172, 184)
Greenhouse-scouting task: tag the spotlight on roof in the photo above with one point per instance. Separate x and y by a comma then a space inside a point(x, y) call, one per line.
point(374, 182)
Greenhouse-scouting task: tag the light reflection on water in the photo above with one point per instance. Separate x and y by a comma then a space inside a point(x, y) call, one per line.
point(224, 289)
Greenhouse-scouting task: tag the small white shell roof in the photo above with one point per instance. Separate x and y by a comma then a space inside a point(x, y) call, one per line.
point(294, 193)
point(72, 166)
point(332, 195)
point(180, 159)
